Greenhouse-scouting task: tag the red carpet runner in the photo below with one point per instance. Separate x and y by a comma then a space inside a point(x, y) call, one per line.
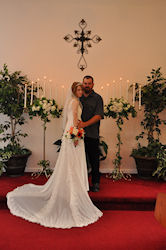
point(128, 230)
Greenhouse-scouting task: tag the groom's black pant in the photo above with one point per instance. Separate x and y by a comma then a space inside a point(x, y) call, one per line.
point(92, 152)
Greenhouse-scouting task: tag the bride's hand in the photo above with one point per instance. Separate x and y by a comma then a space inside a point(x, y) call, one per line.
point(75, 143)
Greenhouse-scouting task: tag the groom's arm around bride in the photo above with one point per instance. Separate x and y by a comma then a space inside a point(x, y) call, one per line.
point(92, 113)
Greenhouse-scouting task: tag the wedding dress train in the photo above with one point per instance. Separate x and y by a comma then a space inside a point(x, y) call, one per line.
point(63, 201)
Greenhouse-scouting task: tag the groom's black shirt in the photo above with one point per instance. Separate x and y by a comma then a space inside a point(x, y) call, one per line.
point(92, 105)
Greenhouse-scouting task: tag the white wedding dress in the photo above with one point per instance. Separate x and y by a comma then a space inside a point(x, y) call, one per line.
point(63, 201)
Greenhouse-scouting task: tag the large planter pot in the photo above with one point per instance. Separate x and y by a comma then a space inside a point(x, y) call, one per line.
point(15, 166)
point(145, 166)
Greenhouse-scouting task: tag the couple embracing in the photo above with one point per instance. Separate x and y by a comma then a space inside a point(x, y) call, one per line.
point(63, 201)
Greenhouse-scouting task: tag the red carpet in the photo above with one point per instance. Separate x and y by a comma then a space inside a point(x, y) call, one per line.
point(127, 230)
point(124, 230)
point(136, 194)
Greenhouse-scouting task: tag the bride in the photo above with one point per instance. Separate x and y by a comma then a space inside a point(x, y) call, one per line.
point(63, 201)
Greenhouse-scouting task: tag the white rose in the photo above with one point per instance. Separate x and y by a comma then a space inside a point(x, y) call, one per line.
point(111, 108)
point(38, 108)
point(33, 108)
point(53, 108)
point(75, 131)
point(105, 109)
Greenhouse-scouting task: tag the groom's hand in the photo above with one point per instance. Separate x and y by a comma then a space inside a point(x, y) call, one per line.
point(81, 124)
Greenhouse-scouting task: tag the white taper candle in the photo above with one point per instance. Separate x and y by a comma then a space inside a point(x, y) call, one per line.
point(127, 90)
point(25, 96)
point(50, 88)
point(31, 94)
point(113, 89)
point(44, 87)
point(139, 106)
point(120, 87)
point(133, 94)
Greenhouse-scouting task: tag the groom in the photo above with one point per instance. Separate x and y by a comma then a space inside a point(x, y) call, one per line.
point(92, 113)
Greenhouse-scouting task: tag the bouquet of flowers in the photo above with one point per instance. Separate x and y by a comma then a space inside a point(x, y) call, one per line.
point(119, 107)
point(75, 134)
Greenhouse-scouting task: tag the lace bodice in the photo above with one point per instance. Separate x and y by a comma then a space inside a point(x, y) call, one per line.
point(74, 112)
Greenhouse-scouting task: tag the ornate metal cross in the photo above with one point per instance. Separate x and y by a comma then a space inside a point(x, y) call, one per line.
point(82, 42)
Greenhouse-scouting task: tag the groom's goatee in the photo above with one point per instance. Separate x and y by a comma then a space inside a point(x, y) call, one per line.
point(87, 90)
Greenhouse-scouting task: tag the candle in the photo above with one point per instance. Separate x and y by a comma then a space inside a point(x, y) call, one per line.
point(120, 87)
point(38, 88)
point(25, 96)
point(50, 89)
point(31, 94)
point(133, 94)
point(62, 94)
point(113, 89)
point(44, 88)
point(127, 90)
point(139, 106)
point(107, 94)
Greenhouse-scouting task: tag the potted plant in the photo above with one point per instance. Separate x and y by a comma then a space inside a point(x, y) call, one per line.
point(13, 156)
point(153, 98)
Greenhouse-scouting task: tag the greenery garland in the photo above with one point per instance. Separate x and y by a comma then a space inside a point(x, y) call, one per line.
point(119, 109)
point(45, 109)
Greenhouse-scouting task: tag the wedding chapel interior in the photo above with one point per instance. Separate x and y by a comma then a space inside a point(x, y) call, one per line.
point(45, 47)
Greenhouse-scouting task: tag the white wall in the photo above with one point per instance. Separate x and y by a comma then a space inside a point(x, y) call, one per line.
point(133, 42)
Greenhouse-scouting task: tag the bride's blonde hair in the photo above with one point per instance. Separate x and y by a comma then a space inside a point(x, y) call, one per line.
point(75, 86)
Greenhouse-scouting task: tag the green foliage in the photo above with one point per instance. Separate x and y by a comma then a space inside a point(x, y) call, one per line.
point(12, 93)
point(12, 105)
point(2, 166)
point(161, 157)
point(46, 170)
point(151, 150)
point(119, 109)
point(45, 108)
point(103, 148)
point(154, 101)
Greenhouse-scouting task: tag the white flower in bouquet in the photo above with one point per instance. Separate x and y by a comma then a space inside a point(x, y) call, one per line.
point(37, 108)
point(53, 108)
point(48, 107)
point(75, 131)
point(111, 108)
point(68, 136)
point(45, 101)
point(105, 109)
point(33, 108)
